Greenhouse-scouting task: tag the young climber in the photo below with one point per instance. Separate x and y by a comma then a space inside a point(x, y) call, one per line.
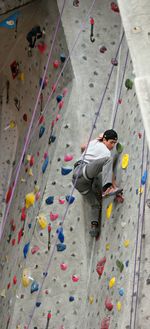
point(33, 35)
point(93, 172)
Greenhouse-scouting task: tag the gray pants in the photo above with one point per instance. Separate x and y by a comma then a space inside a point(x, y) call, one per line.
point(89, 180)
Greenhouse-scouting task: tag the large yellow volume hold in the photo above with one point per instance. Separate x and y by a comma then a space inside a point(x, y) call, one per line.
point(109, 210)
point(125, 161)
point(112, 282)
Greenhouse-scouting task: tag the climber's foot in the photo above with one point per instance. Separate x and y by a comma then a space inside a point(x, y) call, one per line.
point(95, 229)
point(111, 191)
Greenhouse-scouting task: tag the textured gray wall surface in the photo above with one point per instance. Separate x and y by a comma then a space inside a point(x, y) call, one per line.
point(7, 5)
point(67, 282)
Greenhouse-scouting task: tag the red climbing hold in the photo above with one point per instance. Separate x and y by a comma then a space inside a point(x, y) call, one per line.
point(56, 64)
point(114, 7)
point(105, 323)
point(100, 266)
point(25, 118)
point(140, 135)
point(119, 101)
point(8, 194)
point(92, 21)
point(13, 242)
point(8, 286)
point(108, 304)
point(31, 162)
point(23, 214)
point(14, 279)
point(20, 234)
point(41, 119)
point(42, 47)
point(13, 225)
point(103, 49)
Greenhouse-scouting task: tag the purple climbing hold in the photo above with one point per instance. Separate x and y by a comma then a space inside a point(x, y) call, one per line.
point(45, 164)
point(49, 200)
point(70, 199)
point(41, 132)
point(34, 287)
point(65, 170)
point(26, 249)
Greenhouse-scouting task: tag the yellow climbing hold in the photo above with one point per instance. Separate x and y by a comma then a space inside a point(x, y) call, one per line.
point(91, 299)
point(30, 173)
point(12, 124)
point(42, 221)
point(125, 161)
point(112, 282)
point(25, 278)
point(29, 200)
point(23, 180)
point(21, 76)
point(28, 157)
point(107, 246)
point(126, 243)
point(119, 306)
point(36, 188)
point(109, 210)
point(140, 190)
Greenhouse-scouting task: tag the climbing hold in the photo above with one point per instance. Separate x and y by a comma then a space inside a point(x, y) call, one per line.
point(59, 98)
point(92, 29)
point(91, 300)
point(75, 278)
point(3, 293)
point(41, 132)
point(36, 188)
point(144, 178)
point(8, 194)
point(49, 200)
point(105, 323)
point(31, 162)
point(29, 200)
point(61, 247)
point(107, 246)
point(119, 147)
point(65, 170)
point(26, 249)
point(71, 299)
point(25, 278)
point(108, 304)
point(114, 62)
point(126, 243)
point(125, 161)
point(114, 7)
point(45, 164)
point(42, 47)
point(25, 118)
point(61, 201)
point(34, 287)
point(53, 216)
point(100, 266)
point(120, 265)
point(68, 157)
point(56, 64)
point(41, 120)
point(14, 280)
point(60, 234)
point(61, 104)
point(62, 58)
point(42, 221)
point(20, 234)
point(129, 84)
point(21, 76)
point(121, 292)
point(127, 263)
point(139, 135)
point(119, 306)
point(45, 155)
point(38, 304)
point(112, 282)
point(37, 195)
point(54, 88)
point(63, 266)
point(102, 49)
point(65, 90)
point(45, 82)
point(34, 250)
point(70, 199)
point(52, 139)
point(109, 210)
point(30, 172)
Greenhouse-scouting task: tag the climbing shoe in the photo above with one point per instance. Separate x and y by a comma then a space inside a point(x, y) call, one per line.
point(95, 229)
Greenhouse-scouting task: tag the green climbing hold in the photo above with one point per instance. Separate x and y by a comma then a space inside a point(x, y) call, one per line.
point(119, 148)
point(120, 265)
point(129, 84)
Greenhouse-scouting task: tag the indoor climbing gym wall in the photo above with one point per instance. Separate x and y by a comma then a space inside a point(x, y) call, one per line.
point(76, 82)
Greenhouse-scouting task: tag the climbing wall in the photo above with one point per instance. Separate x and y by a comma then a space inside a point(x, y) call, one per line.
point(55, 275)
point(8, 5)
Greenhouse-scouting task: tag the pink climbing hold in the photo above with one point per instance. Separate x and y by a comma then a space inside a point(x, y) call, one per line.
point(56, 64)
point(68, 157)
point(100, 266)
point(61, 201)
point(58, 116)
point(105, 323)
point(45, 155)
point(61, 104)
point(108, 304)
point(75, 278)
point(63, 266)
point(37, 195)
point(53, 216)
point(65, 91)
point(34, 250)
point(92, 21)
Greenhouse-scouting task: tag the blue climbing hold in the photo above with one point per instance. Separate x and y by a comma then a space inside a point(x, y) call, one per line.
point(62, 58)
point(59, 98)
point(70, 199)
point(41, 132)
point(144, 178)
point(61, 246)
point(121, 291)
point(29, 225)
point(45, 274)
point(71, 299)
point(127, 263)
point(26, 249)
point(34, 287)
point(45, 164)
point(38, 304)
point(49, 200)
point(66, 170)
point(60, 234)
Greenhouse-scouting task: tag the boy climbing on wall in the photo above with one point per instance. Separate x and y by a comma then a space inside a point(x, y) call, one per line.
point(93, 174)
point(33, 35)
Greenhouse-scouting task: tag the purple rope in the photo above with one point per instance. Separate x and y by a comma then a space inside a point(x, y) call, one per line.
point(125, 66)
point(137, 237)
point(139, 266)
point(30, 126)
point(67, 207)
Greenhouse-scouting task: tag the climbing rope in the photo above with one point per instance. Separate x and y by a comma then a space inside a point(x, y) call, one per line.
point(72, 190)
point(30, 125)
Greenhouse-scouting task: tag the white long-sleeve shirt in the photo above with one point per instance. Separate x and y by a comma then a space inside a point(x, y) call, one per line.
point(96, 150)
